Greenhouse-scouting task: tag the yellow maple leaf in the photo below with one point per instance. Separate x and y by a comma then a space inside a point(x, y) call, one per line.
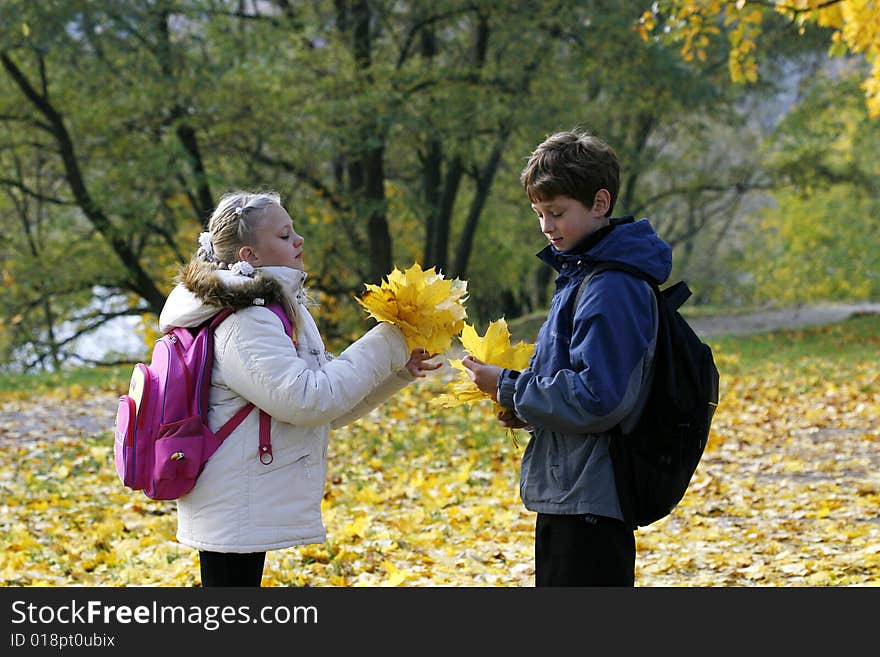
point(495, 348)
point(395, 576)
point(428, 308)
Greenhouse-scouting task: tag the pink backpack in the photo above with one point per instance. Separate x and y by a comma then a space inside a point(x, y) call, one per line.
point(162, 439)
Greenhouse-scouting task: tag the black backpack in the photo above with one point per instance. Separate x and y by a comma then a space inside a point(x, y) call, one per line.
point(655, 461)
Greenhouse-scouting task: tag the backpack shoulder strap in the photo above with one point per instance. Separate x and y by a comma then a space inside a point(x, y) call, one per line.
point(671, 297)
point(265, 447)
point(285, 320)
point(605, 265)
point(275, 308)
point(675, 295)
point(219, 317)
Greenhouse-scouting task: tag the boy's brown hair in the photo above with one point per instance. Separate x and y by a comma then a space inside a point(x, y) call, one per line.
point(575, 164)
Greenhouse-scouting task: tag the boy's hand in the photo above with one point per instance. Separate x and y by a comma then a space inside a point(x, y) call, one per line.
point(510, 420)
point(416, 364)
point(484, 375)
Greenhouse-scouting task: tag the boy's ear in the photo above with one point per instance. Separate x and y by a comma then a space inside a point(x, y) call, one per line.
point(601, 202)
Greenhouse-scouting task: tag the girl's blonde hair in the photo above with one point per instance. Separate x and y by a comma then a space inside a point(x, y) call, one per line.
point(234, 222)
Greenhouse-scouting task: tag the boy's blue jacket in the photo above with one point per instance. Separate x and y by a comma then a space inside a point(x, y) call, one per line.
point(586, 375)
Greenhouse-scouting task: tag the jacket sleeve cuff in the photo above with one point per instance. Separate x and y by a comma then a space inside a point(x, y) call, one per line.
point(506, 387)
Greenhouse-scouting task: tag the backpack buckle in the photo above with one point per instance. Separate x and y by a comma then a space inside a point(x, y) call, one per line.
point(266, 454)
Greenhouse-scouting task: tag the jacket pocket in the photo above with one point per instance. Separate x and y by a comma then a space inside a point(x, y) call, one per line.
point(559, 463)
point(545, 478)
point(557, 468)
point(286, 493)
point(301, 458)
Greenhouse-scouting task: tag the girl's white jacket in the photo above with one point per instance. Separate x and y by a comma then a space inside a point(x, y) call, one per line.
point(238, 504)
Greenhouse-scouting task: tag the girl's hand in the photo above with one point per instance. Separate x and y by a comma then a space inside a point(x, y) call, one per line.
point(484, 375)
point(417, 365)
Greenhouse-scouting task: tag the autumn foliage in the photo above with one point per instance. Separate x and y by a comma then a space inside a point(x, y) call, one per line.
point(786, 494)
point(855, 26)
point(493, 347)
point(427, 307)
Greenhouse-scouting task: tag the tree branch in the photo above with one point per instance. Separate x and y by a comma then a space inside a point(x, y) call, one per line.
point(325, 192)
point(738, 187)
point(794, 10)
point(17, 184)
point(417, 27)
point(141, 280)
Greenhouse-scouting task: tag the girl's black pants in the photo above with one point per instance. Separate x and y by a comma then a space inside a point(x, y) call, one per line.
point(231, 568)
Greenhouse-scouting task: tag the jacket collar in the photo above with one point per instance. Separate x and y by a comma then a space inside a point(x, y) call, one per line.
point(557, 259)
point(202, 290)
point(222, 288)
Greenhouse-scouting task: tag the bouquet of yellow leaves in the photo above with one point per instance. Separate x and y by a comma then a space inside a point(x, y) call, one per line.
point(493, 348)
point(427, 307)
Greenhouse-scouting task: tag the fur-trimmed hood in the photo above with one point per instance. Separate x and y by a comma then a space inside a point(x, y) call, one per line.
point(202, 290)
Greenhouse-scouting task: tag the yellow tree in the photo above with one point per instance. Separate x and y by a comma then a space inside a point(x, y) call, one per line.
point(855, 26)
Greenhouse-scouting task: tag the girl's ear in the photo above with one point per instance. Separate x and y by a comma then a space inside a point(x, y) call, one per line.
point(246, 254)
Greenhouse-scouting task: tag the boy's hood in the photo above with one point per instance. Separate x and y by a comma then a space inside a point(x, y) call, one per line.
point(203, 290)
point(635, 244)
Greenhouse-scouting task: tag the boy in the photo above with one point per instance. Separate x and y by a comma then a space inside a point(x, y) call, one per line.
point(590, 365)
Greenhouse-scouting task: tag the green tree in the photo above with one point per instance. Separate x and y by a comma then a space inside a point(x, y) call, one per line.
point(687, 151)
point(819, 240)
point(394, 132)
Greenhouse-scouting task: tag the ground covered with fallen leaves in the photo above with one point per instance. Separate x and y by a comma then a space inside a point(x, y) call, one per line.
point(787, 494)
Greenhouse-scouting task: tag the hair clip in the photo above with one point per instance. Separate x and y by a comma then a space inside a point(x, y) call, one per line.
point(239, 210)
point(242, 268)
point(206, 247)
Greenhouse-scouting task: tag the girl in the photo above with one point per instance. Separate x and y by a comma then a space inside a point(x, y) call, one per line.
point(241, 505)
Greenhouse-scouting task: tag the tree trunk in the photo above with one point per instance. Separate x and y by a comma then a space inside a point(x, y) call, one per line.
point(369, 169)
point(442, 204)
point(139, 281)
point(203, 196)
point(454, 173)
point(432, 174)
point(484, 185)
point(377, 221)
point(643, 133)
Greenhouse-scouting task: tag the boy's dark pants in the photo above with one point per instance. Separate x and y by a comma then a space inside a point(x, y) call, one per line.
point(231, 568)
point(583, 550)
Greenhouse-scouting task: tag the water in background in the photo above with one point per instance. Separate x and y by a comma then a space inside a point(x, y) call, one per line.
point(119, 338)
